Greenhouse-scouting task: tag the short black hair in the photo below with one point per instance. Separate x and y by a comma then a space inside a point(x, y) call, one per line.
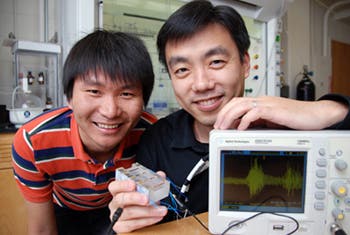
point(195, 16)
point(120, 56)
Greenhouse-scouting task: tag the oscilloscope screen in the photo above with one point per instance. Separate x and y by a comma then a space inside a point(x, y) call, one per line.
point(263, 181)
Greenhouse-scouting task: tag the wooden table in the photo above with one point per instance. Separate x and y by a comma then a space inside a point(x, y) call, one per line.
point(184, 226)
point(5, 150)
point(13, 214)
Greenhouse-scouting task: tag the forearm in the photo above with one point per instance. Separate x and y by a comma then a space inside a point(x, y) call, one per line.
point(41, 219)
point(332, 112)
point(345, 101)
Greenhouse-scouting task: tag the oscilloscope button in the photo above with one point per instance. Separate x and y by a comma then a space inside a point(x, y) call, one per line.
point(321, 173)
point(339, 152)
point(337, 201)
point(338, 214)
point(319, 206)
point(320, 195)
point(339, 188)
point(322, 151)
point(340, 164)
point(321, 162)
point(347, 201)
point(320, 184)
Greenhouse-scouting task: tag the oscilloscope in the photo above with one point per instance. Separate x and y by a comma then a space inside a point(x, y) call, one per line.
point(278, 181)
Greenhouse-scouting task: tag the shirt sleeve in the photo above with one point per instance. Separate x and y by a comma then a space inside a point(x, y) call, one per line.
point(34, 185)
point(345, 124)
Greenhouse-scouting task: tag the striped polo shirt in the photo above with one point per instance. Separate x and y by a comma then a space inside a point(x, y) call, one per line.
point(50, 163)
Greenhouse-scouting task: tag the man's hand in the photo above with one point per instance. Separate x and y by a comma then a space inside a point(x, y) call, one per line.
point(137, 212)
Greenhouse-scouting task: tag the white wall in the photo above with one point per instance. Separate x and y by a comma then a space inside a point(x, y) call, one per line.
point(76, 21)
point(303, 44)
point(296, 41)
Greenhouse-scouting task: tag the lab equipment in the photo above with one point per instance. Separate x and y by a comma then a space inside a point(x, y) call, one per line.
point(25, 105)
point(147, 181)
point(278, 182)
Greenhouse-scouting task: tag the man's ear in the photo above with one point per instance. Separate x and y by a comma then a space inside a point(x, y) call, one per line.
point(69, 103)
point(246, 65)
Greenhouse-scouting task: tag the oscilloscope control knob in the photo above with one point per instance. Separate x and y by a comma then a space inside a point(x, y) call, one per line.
point(338, 214)
point(339, 188)
point(341, 164)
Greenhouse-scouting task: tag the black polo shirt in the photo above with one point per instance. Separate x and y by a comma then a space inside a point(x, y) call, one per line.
point(170, 146)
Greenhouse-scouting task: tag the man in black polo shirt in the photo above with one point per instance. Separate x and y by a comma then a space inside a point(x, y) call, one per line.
point(205, 50)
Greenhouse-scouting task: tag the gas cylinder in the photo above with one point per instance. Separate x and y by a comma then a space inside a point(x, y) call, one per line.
point(306, 87)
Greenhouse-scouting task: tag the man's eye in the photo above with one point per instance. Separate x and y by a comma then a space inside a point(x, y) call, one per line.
point(95, 92)
point(217, 63)
point(126, 94)
point(181, 71)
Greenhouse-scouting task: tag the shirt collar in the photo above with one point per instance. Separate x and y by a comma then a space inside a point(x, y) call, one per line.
point(183, 136)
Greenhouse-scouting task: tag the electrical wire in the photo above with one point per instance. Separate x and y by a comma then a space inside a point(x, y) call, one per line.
point(258, 214)
point(179, 207)
point(183, 207)
point(115, 218)
point(198, 220)
point(201, 166)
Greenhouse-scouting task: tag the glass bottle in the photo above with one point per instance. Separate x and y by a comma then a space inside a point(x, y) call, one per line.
point(41, 79)
point(30, 77)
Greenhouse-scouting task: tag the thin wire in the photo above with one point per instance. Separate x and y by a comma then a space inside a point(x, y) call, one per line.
point(198, 220)
point(187, 210)
point(241, 222)
point(291, 218)
point(178, 206)
point(260, 213)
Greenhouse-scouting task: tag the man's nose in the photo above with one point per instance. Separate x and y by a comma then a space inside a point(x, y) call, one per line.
point(110, 107)
point(202, 80)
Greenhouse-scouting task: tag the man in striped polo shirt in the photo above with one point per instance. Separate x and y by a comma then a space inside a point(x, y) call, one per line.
point(64, 159)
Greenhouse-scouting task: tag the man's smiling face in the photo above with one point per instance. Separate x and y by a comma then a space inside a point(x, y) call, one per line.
point(105, 111)
point(206, 72)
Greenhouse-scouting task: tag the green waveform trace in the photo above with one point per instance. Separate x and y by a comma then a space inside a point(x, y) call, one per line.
point(257, 179)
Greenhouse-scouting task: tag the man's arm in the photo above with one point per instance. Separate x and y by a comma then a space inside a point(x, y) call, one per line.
point(41, 218)
point(341, 99)
point(270, 111)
